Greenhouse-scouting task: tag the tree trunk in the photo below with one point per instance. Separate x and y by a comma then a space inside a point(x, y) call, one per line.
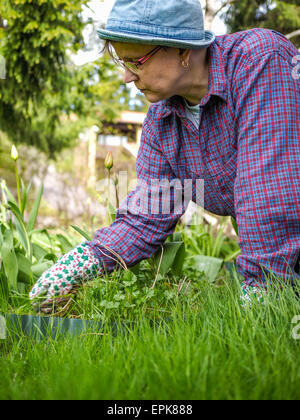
point(210, 13)
point(293, 34)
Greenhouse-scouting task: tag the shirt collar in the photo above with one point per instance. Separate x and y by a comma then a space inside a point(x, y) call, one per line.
point(217, 84)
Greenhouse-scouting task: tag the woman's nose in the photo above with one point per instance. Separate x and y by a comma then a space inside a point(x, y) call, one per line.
point(130, 77)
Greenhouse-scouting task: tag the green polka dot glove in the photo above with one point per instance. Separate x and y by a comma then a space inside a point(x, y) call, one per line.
point(251, 292)
point(74, 268)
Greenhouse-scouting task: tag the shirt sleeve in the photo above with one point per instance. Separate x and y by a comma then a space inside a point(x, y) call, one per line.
point(267, 186)
point(143, 221)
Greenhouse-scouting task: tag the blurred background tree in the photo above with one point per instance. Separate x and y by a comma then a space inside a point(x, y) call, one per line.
point(43, 87)
point(282, 16)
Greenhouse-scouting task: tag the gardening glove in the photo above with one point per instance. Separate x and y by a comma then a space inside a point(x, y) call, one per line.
point(251, 292)
point(71, 270)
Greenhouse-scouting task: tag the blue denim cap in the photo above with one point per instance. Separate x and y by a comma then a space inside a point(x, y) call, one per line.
point(173, 23)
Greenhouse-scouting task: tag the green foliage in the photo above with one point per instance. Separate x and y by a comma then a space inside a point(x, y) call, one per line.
point(124, 295)
point(97, 92)
point(34, 42)
point(36, 39)
point(20, 259)
point(200, 239)
point(82, 233)
point(282, 16)
point(170, 257)
point(206, 349)
point(9, 258)
point(235, 226)
point(209, 252)
point(23, 255)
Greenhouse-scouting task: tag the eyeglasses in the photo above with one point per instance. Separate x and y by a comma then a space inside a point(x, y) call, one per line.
point(135, 66)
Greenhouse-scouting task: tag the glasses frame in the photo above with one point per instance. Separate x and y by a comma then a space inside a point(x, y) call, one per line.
point(134, 66)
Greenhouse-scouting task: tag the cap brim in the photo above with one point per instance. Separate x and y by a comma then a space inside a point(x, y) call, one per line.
point(146, 39)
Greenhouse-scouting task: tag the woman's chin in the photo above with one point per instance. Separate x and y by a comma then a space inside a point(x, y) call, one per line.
point(152, 96)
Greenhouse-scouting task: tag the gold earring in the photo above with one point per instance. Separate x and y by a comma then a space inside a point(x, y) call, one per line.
point(185, 65)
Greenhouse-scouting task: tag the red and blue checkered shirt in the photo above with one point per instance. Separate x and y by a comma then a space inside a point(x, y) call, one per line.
point(247, 151)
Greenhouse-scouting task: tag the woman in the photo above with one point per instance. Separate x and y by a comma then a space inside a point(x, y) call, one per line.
point(224, 110)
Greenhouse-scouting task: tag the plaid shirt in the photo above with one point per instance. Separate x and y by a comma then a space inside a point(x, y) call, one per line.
point(247, 151)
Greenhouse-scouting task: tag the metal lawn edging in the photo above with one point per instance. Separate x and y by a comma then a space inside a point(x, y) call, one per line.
point(38, 327)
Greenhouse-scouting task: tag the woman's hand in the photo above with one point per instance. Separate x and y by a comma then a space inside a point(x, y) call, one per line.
point(71, 270)
point(251, 293)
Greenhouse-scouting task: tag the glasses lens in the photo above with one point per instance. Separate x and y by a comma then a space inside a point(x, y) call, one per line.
point(131, 67)
point(134, 68)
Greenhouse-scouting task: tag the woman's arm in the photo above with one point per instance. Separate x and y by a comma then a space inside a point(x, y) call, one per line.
point(138, 231)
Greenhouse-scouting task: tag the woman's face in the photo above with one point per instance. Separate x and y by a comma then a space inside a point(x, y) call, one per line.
point(160, 77)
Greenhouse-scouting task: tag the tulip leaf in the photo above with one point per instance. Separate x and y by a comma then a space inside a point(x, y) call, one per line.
point(82, 233)
point(33, 215)
point(24, 267)
point(39, 268)
point(170, 253)
point(10, 196)
point(38, 251)
point(209, 265)
point(9, 259)
point(235, 226)
point(179, 260)
point(21, 228)
point(112, 211)
point(65, 244)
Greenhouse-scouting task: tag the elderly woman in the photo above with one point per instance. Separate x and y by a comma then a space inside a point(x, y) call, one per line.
point(224, 110)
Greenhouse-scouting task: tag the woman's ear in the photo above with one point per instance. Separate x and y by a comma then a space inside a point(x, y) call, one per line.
point(185, 56)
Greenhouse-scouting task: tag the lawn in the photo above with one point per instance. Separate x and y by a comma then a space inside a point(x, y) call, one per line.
point(173, 325)
point(205, 347)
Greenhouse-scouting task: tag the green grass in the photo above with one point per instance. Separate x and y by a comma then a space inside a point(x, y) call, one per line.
point(209, 348)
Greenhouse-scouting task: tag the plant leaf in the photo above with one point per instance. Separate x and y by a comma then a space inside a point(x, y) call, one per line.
point(33, 214)
point(39, 268)
point(10, 195)
point(21, 228)
point(175, 237)
point(233, 256)
point(170, 250)
point(179, 260)
point(235, 226)
point(2, 227)
point(50, 257)
point(209, 265)
point(9, 259)
point(38, 251)
point(24, 198)
point(66, 245)
point(112, 211)
point(24, 268)
point(46, 233)
point(21, 287)
point(135, 269)
point(82, 233)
